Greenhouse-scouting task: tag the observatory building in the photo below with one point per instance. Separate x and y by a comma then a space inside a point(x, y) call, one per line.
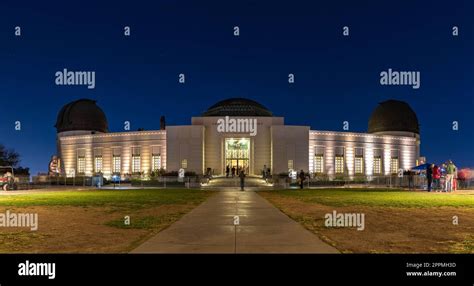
point(238, 133)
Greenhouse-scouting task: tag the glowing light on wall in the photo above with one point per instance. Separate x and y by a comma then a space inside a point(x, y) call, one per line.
point(89, 158)
point(329, 158)
point(127, 159)
point(118, 144)
point(349, 154)
point(407, 157)
point(146, 159)
point(373, 145)
point(369, 159)
point(386, 160)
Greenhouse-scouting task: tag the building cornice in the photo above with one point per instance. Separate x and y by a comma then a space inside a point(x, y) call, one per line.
point(363, 135)
point(114, 134)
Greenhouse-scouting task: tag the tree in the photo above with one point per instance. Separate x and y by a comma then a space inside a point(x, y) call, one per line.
point(9, 157)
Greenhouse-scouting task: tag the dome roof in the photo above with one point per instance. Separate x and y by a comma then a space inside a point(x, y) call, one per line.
point(393, 115)
point(82, 114)
point(238, 107)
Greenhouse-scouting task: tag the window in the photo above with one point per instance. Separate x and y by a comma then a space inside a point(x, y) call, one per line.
point(394, 165)
point(81, 165)
point(393, 161)
point(98, 164)
point(319, 160)
point(359, 165)
point(339, 162)
point(116, 160)
point(98, 160)
point(184, 164)
point(156, 162)
point(136, 160)
point(359, 161)
point(155, 158)
point(318, 163)
point(377, 165)
point(136, 164)
point(290, 164)
point(81, 161)
point(117, 164)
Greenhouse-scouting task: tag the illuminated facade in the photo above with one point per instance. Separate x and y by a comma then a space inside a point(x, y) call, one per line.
point(87, 148)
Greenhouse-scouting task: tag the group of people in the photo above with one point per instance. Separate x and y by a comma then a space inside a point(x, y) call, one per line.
point(233, 171)
point(442, 178)
point(266, 173)
point(301, 178)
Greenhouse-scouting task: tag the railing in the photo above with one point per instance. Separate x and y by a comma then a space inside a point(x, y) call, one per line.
point(415, 182)
point(131, 181)
point(389, 181)
point(169, 182)
point(58, 181)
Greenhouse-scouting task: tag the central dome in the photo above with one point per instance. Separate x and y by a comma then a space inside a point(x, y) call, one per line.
point(238, 107)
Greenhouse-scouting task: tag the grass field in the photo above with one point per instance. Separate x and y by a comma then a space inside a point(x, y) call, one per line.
point(93, 220)
point(85, 221)
point(396, 221)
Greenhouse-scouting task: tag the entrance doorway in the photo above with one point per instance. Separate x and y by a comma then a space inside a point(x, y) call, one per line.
point(237, 154)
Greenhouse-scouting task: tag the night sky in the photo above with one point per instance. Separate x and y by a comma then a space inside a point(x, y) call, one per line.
point(336, 77)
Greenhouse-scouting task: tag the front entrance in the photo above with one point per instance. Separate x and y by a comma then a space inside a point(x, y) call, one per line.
point(237, 154)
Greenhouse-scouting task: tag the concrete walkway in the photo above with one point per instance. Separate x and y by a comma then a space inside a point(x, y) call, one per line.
point(210, 228)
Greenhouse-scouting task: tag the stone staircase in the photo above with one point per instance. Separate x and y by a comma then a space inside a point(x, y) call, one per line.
point(251, 183)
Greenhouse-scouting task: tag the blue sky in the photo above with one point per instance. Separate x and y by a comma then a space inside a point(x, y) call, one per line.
point(336, 77)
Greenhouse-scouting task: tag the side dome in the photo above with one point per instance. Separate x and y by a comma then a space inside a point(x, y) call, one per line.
point(81, 115)
point(238, 107)
point(393, 115)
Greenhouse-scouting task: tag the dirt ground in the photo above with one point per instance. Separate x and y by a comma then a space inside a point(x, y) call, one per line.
point(70, 229)
point(387, 229)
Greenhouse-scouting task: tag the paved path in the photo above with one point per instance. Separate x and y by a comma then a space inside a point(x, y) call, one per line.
point(209, 228)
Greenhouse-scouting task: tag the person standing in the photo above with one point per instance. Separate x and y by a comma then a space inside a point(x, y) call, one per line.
point(242, 180)
point(450, 171)
point(436, 177)
point(302, 177)
point(429, 175)
point(455, 178)
point(227, 170)
point(411, 175)
point(233, 171)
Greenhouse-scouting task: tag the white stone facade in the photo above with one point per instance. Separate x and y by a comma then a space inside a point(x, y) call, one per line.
point(200, 146)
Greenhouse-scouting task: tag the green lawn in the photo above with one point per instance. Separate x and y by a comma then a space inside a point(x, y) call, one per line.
point(84, 221)
point(380, 197)
point(396, 221)
point(136, 198)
